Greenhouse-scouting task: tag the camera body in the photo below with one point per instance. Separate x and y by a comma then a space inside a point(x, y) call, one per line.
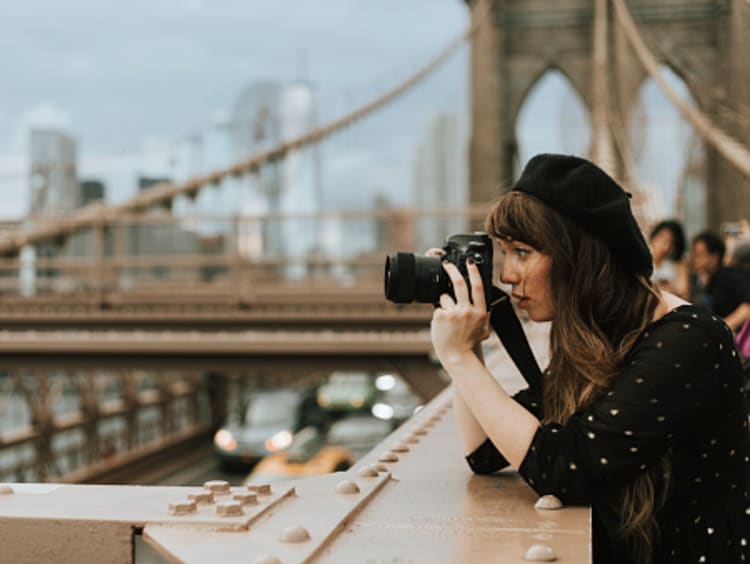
point(418, 278)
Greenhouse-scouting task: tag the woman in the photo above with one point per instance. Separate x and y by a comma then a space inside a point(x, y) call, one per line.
point(667, 242)
point(640, 413)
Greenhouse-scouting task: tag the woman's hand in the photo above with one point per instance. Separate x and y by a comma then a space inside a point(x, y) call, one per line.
point(457, 326)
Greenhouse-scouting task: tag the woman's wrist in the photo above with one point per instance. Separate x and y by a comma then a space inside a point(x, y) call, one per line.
point(460, 358)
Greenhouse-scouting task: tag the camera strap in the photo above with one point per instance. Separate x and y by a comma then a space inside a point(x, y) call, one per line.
point(508, 328)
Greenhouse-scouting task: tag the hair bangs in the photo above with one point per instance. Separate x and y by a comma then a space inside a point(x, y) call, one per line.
point(517, 216)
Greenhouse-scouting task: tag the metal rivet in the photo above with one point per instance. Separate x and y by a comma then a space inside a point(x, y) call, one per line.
point(388, 457)
point(540, 553)
point(259, 488)
point(201, 497)
point(229, 508)
point(347, 487)
point(367, 472)
point(379, 467)
point(400, 447)
point(246, 498)
point(412, 440)
point(294, 533)
point(548, 502)
point(182, 507)
point(217, 486)
point(420, 432)
point(6, 490)
point(266, 559)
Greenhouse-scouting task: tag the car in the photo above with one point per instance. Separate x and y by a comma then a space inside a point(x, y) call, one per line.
point(308, 455)
point(396, 401)
point(347, 391)
point(359, 433)
point(266, 422)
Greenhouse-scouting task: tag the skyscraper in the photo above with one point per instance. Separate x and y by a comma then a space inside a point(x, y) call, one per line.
point(54, 182)
point(438, 181)
point(266, 114)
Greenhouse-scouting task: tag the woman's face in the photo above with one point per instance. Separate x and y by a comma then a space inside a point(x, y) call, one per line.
point(528, 272)
point(661, 244)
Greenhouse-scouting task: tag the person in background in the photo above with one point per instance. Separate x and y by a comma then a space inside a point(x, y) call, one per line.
point(671, 272)
point(735, 234)
point(741, 256)
point(639, 412)
point(720, 289)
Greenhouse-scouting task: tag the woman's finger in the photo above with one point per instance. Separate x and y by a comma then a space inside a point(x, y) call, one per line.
point(446, 302)
point(435, 252)
point(460, 289)
point(477, 287)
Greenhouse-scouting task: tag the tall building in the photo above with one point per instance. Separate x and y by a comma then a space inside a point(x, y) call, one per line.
point(91, 191)
point(54, 182)
point(266, 114)
point(439, 181)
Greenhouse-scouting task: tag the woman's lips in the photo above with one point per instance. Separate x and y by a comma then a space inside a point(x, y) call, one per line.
point(523, 301)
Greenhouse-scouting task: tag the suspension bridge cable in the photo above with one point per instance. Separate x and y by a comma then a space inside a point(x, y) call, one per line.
point(734, 110)
point(162, 193)
point(730, 149)
point(602, 150)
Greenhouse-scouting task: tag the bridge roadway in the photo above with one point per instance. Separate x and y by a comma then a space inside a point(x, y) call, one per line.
point(421, 506)
point(289, 354)
point(224, 307)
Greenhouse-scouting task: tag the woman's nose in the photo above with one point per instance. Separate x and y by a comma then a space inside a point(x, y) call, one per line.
point(509, 274)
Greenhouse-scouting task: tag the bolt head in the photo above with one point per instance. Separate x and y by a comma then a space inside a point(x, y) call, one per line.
point(229, 509)
point(540, 553)
point(264, 489)
point(182, 507)
point(347, 487)
point(246, 498)
point(201, 497)
point(388, 457)
point(217, 486)
point(294, 533)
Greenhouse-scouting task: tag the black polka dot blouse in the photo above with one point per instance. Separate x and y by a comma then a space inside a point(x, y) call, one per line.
point(675, 411)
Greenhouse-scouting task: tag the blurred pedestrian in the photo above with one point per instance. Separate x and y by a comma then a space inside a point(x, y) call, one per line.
point(735, 233)
point(671, 271)
point(724, 291)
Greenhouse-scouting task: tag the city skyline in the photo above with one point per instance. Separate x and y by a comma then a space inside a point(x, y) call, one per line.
point(110, 97)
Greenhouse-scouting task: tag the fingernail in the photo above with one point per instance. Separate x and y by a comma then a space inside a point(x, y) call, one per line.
point(469, 261)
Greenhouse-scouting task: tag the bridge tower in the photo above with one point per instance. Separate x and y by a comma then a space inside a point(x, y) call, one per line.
point(525, 39)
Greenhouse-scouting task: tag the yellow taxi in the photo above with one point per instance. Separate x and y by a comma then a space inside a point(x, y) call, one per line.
point(308, 455)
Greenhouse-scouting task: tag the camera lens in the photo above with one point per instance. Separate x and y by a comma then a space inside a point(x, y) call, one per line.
point(414, 278)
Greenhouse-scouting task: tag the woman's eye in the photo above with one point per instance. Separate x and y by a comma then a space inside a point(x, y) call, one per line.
point(520, 251)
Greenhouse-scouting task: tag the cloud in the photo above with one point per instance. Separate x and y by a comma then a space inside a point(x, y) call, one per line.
point(78, 64)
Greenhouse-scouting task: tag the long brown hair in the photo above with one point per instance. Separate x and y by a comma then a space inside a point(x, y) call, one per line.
point(601, 306)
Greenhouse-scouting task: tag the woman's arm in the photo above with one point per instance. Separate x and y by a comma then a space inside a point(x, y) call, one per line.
point(507, 424)
point(457, 327)
point(472, 434)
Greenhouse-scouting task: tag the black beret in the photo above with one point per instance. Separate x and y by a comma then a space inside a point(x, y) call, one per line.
point(581, 190)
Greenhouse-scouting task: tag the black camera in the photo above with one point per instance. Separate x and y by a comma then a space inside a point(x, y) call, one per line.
point(418, 278)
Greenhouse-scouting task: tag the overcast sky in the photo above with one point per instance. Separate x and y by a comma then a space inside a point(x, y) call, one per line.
point(123, 78)
point(121, 75)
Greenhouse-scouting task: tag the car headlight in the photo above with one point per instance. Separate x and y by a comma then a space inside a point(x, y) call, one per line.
point(382, 411)
point(279, 441)
point(385, 382)
point(225, 440)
